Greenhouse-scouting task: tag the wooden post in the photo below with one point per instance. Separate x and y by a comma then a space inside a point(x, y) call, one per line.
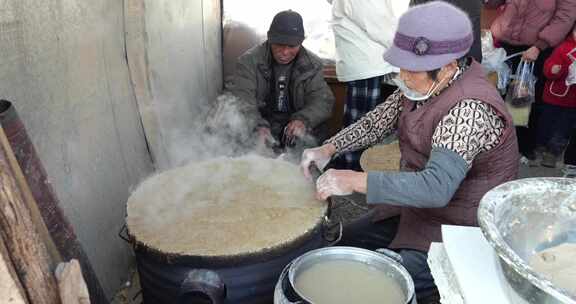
point(25, 247)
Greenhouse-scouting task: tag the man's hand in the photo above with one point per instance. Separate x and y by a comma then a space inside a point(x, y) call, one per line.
point(340, 182)
point(265, 136)
point(319, 155)
point(531, 54)
point(556, 69)
point(295, 128)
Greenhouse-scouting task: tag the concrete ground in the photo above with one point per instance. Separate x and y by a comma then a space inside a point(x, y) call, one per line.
point(131, 293)
point(526, 171)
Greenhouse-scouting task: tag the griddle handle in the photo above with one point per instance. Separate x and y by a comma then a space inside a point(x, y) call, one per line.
point(315, 172)
point(123, 234)
point(202, 284)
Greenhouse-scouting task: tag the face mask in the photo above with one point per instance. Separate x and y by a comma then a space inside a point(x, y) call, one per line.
point(414, 95)
point(411, 94)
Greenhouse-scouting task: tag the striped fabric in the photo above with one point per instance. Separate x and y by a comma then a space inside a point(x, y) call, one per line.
point(362, 97)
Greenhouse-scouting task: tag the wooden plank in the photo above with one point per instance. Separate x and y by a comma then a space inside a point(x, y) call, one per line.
point(24, 244)
point(11, 290)
point(73, 289)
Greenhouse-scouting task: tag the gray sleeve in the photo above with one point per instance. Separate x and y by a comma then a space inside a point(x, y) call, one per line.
point(319, 101)
point(432, 187)
point(245, 79)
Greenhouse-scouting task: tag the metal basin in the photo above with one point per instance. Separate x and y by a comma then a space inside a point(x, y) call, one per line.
point(523, 217)
point(384, 261)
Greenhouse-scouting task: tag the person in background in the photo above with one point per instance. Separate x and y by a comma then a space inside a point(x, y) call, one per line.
point(281, 85)
point(533, 27)
point(457, 141)
point(474, 10)
point(558, 110)
point(363, 31)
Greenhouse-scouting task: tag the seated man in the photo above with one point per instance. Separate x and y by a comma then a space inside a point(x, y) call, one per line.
point(281, 85)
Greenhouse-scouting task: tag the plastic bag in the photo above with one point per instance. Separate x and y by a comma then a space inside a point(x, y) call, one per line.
point(503, 77)
point(486, 42)
point(494, 60)
point(519, 115)
point(521, 90)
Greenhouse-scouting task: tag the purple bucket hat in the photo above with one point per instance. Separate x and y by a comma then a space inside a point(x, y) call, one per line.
point(429, 36)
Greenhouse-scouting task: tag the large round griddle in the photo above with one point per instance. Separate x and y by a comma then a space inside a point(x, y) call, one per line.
point(225, 210)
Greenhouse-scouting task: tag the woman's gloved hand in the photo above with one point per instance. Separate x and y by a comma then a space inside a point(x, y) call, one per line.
point(340, 182)
point(319, 155)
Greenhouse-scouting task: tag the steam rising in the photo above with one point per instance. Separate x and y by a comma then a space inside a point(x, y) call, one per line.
point(221, 130)
point(223, 180)
point(222, 135)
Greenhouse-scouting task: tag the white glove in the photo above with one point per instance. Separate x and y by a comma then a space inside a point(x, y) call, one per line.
point(319, 155)
point(332, 182)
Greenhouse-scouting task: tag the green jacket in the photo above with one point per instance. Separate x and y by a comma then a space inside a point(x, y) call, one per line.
point(312, 98)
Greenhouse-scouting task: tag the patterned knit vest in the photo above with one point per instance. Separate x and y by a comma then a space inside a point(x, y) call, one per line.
point(419, 227)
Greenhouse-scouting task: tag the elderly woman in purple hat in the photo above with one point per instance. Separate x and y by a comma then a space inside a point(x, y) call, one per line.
point(457, 141)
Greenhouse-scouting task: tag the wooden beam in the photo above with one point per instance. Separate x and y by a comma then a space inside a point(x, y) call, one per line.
point(24, 244)
point(30, 202)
